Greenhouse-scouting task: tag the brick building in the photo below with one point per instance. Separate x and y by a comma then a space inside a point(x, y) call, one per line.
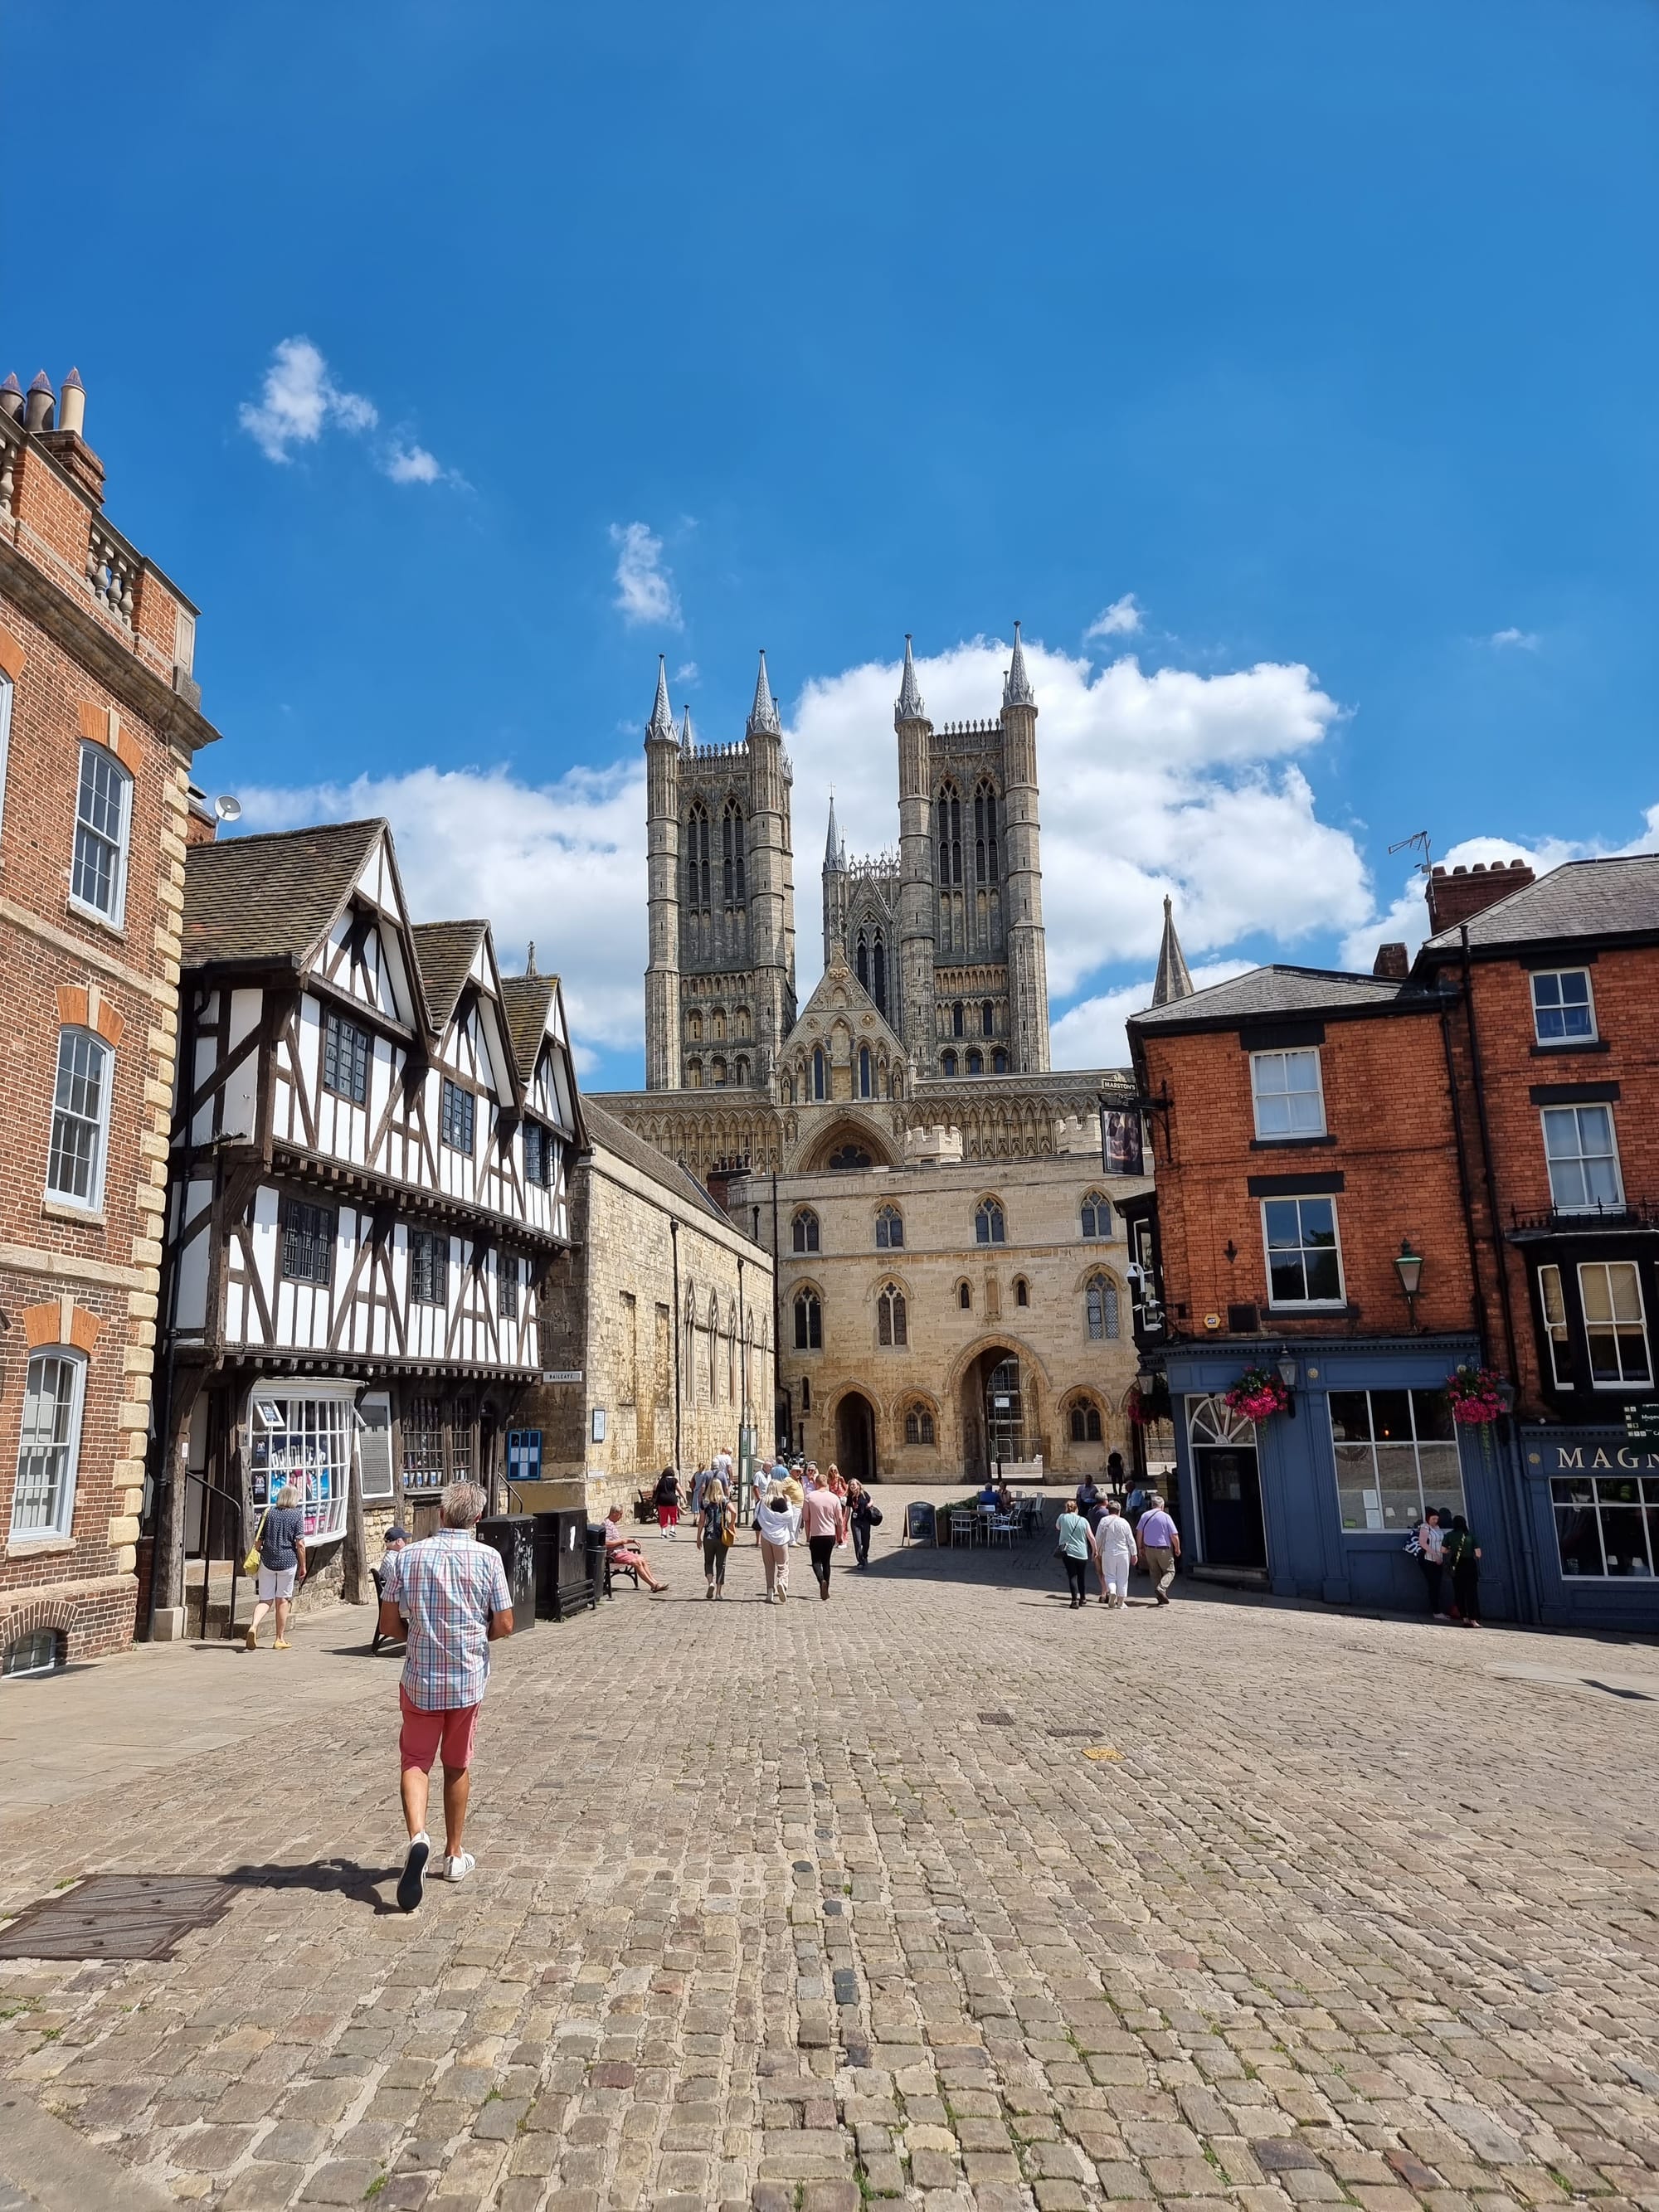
point(1365, 1181)
point(100, 718)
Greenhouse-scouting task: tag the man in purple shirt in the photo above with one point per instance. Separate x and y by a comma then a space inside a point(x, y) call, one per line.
point(1160, 1546)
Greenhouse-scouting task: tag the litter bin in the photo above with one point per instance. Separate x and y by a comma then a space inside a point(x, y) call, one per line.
point(513, 1535)
point(562, 1583)
point(595, 1560)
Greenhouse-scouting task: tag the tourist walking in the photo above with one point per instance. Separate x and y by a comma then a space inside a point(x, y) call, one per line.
point(1428, 1540)
point(1461, 1557)
point(281, 1564)
point(622, 1551)
point(1087, 1500)
point(1074, 1543)
point(824, 1519)
point(1160, 1545)
point(448, 1598)
point(668, 1504)
point(863, 1516)
point(1114, 1552)
point(716, 1526)
point(778, 1521)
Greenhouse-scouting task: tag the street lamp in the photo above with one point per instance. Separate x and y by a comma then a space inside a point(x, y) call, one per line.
point(1409, 1267)
point(1286, 1364)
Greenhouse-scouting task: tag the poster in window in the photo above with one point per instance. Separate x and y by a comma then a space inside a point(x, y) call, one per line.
point(1120, 1141)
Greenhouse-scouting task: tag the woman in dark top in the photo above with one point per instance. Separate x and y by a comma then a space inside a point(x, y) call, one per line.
point(281, 1564)
point(1462, 1555)
point(862, 1513)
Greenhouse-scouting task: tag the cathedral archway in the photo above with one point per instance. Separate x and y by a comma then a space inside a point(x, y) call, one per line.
point(852, 1142)
point(855, 1437)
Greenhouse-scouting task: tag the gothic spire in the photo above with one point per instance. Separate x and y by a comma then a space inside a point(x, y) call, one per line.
point(688, 735)
point(834, 854)
point(1174, 980)
point(661, 724)
point(763, 715)
point(1016, 684)
point(911, 706)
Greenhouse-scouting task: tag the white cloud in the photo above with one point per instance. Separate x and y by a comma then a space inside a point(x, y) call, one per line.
point(1122, 619)
point(687, 672)
point(1516, 640)
point(299, 399)
point(645, 589)
point(1091, 1034)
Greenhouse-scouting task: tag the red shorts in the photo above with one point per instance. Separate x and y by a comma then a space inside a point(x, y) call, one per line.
point(426, 1736)
point(668, 1516)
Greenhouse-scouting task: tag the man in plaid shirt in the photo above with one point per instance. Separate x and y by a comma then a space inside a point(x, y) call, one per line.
point(449, 1596)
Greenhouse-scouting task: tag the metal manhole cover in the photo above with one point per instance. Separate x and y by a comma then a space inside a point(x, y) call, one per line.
point(116, 1915)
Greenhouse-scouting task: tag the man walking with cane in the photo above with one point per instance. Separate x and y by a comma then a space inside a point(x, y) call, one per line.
point(1160, 1546)
point(449, 1597)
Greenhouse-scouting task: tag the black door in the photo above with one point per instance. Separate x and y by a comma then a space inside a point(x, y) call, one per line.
point(1229, 1505)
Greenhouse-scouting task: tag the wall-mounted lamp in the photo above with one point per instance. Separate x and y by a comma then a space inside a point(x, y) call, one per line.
point(1288, 1372)
point(1409, 1267)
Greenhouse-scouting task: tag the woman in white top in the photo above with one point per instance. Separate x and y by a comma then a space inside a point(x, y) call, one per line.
point(1114, 1551)
point(777, 1521)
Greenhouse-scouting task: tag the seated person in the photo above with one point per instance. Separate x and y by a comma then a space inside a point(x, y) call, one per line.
point(1004, 1499)
point(621, 1550)
point(395, 1537)
point(989, 1495)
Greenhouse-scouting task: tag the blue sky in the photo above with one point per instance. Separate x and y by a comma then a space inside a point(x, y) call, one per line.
point(1324, 337)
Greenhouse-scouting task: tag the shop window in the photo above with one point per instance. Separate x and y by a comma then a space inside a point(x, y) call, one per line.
point(49, 1448)
point(1285, 1088)
point(424, 1444)
point(305, 1442)
point(345, 1058)
point(1562, 1009)
point(1396, 1454)
point(1605, 1527)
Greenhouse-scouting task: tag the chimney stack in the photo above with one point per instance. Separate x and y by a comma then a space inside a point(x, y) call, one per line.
point(37, 408)
point(1391, 961)
point(66, 442)
point(1457, 894)
point(12, 397)
point(72, 403)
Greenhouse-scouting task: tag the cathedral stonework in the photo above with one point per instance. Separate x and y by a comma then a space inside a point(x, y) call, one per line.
point(952, 1283)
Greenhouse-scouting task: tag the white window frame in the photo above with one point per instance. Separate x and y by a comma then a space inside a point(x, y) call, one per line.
point(1636, 1381)
point(1562, 1043)
point(1558, 1336)
point(6, 689)
point(62, 1525)
point(291, 1449)
point(93, 1201)
point(115, 913)
point(1305, 1305)
point(1258, 1062)
point(1590, 1206)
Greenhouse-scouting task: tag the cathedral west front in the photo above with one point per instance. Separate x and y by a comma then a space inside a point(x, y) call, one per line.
point(952, 1283)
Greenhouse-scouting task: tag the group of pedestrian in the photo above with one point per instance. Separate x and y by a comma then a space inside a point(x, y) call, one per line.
point(1447, 1550)
point(1114, 1532)
point(825, 1511)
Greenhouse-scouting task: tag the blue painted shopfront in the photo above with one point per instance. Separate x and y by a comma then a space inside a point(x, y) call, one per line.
point(1342, 1481)
point(1591, 1500)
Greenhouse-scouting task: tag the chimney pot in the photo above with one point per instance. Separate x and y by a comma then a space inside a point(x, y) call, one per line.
point(72, 403)
point(37, 410)
point(12, 397)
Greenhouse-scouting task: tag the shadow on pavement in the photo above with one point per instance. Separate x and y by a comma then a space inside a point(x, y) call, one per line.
point(330, 1877)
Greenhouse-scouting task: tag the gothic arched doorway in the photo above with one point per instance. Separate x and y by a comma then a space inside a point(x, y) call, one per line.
point(855, 1437)
point(996, 1419)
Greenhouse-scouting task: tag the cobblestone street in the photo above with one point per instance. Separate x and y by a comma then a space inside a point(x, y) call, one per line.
point(938, 1892)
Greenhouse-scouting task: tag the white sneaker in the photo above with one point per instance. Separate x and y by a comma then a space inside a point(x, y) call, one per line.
point(457, 1867)
point(771, 1597)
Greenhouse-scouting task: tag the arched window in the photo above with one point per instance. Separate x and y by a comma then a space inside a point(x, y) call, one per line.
point(820, 1072)
point(948, 1063)
point(985, 834)
point(103, 821)
point(694, 1074)
point(891, 1326)
point(690, 1368)
point(731, 851)
point(1085, 1422)
point(958, 1019)
point(999, 1063)
point(807, 1393)
point(1096, 1215)
point(693, 1028)
point(80, 1119)
point(1022, 1291)
point(987, 1019)
point(965, 1297)
point(878, 972)
point(804, 1230)
point(865, 1088)
point(989, 1225)
point(717, 1071)
point(848, 1158)
point(809, 1322)
point(890, 1229)
point(1100, 1308)
point(741, 1076)
point(918, 1425)
point(975, 1062)
point(950, 834)
point(861, 962)
point(697, 855)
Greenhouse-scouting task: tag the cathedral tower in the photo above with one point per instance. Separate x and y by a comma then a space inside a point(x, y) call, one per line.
point(917, 1014)
point(1028, 959)
point(662, 814)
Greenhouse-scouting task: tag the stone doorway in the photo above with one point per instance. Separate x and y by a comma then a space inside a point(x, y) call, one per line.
point(996, 1419)
point(855, 1437)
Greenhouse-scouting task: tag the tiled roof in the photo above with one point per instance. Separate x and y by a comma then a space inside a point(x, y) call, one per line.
point(251, 901)
point(1584, 898)
point(614, 1136)
point(1266, 993)
point(526, 1000)
point(446, 951)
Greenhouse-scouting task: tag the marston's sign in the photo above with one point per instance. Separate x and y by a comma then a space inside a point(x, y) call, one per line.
point(1642, 1422)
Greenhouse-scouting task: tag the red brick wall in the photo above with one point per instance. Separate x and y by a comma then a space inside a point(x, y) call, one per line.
point(1386, 1103)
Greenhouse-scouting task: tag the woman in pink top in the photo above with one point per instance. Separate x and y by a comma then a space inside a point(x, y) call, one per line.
point(824, 1519)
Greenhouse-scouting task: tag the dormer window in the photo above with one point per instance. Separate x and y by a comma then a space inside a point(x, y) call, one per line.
point(1562, 1009)
point(1288, 1100)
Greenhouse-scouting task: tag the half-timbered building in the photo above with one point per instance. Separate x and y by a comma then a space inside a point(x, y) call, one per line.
point(372, 1152)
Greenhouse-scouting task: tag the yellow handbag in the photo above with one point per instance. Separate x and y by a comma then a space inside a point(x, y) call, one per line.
point(251, 1563)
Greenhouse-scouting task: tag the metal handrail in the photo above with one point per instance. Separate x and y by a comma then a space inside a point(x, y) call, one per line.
point(217, 1490)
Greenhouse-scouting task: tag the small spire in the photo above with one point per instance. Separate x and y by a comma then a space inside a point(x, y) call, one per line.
point(661, 724)
point(42, 381)
point(1173, 980)
point(688, 735)
point(763, 715)
point(834, 854)
point(530, 959)
point(911, 706)
point(1016, 684)
point(11, 383)
point(72, 381)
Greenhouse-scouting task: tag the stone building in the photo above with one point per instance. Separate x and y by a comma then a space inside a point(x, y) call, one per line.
point(100, 720)
point(953, 1277)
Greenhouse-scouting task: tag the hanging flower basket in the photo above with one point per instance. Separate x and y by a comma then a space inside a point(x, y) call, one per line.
point(1147, 1403)
point(1258, 1394)
point(1477, 1396)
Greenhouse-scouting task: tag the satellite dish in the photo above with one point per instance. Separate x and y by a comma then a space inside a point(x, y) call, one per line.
point(227, 808)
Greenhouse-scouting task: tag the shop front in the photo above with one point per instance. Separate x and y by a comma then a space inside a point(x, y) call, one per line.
point(1318, 1499)
point(1591, 1500)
